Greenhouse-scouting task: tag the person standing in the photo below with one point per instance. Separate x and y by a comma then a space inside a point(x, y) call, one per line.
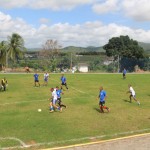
point(27, 69)
point(4, 83)
point(132, 94)
point(46, 76)
point(102, 98)
point(36, 79)
point(124, 73)
point(63, 82)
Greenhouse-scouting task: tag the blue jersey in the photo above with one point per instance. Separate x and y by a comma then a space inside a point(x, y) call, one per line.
point(124, 71)
point(59, 93)
point(102, 96)
point(63, 79)
point(36, 76)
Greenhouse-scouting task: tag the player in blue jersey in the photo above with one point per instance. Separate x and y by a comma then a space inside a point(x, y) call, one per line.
point(36, 79)
point(59, 92)
point(102, 98)
point(124, 73)
point(63, 81)
point(53, 101)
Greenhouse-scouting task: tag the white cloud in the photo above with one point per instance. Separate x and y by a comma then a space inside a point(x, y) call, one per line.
point(137, 9)
point(106, 6)
point(45, 4)
point(86, 34)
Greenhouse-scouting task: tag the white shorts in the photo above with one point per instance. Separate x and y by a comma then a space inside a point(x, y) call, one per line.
point(133, 95)
point(54, 101)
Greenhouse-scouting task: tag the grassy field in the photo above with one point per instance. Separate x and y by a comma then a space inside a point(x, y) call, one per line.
point(81, 120)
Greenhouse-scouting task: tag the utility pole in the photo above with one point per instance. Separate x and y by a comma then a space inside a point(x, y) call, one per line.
point(71, 62)
point(118, 64)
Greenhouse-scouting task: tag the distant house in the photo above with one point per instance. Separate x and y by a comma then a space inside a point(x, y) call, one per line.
point(108, 61)
point(83, 67)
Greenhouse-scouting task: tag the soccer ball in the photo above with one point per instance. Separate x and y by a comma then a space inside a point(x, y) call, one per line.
point(39, 110)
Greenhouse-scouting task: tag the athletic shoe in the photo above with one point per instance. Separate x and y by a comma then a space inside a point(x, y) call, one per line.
point(108, 109)
point(51, 111)
point(61, 109)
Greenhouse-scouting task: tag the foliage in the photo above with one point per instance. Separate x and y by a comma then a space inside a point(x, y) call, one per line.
point(3, 52)
point(48, 54)
point(15, 47)
point(124, 47)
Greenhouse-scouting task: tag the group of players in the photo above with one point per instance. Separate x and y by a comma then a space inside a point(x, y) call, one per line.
point(55, 100)
point(102, 95)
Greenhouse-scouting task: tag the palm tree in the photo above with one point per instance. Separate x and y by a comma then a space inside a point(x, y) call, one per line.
point(15, 47)
point(3, 50)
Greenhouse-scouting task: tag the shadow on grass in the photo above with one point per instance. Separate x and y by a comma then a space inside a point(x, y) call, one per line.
point(126, 100)
point(97, 110)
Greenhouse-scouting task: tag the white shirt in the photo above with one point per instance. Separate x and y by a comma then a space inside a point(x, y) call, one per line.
point(46, 75)
point(54, 95)
point(132, 90)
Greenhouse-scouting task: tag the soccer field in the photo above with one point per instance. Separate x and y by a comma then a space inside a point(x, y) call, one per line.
point(21, 125)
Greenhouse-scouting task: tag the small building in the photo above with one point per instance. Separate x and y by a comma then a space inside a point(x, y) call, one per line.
point(83, 67)
point(108, 61)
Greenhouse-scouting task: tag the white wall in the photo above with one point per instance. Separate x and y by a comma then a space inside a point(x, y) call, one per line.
point(83, 68)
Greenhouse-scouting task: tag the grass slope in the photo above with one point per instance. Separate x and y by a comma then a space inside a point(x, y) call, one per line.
point(19, 116)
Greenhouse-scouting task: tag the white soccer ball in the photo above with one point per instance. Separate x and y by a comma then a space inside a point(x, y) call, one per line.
point(39, 110)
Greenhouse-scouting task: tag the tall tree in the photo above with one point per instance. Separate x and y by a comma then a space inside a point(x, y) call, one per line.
point(49, 53)
point(127, 49)
point(124, 47)
point(15, 47)
point(3, 52)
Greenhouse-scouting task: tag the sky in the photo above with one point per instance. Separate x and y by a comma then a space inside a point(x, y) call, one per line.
point(74, 22)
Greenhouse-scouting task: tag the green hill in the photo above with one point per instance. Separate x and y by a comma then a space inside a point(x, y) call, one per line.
point(82, 49)
point(146, 46)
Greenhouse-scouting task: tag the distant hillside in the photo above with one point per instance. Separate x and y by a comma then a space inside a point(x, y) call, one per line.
point(82, 49)
point(146, 46)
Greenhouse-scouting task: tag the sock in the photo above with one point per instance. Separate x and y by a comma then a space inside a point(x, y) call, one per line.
point(51, 107)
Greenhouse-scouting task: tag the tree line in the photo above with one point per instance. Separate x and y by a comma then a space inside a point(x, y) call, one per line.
point(126, 53)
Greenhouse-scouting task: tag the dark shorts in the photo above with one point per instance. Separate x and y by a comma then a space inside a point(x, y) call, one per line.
point(124, 74)
point(63, 83)
point(59, 100)
point(45, 79)
point(36, 80)
point(102, 103)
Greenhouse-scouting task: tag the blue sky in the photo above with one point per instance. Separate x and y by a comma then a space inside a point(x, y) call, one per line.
point(74, 22)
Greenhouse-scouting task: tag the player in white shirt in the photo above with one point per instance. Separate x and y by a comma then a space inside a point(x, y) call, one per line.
point(46, 76)
point(53, 100)
point(132, 95)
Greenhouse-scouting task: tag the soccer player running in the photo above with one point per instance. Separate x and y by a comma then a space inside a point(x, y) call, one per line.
point(124, 73)
point(63, 82)
point(102, 98)
point(46, 76)
point(54, 100)
point(59, 92)
point(36, 79)
point(132, 94)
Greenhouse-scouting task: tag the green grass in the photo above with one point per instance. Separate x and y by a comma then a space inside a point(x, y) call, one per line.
point(19, 117)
